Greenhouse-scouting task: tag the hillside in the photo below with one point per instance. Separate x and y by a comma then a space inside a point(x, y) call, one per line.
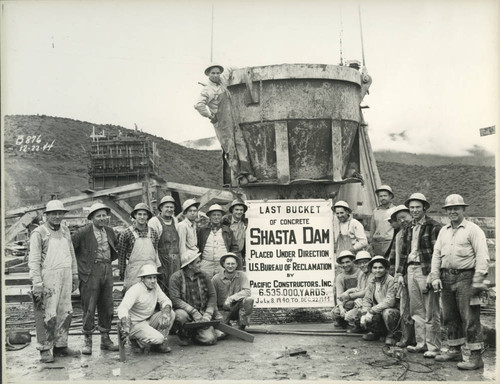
point(31, 177)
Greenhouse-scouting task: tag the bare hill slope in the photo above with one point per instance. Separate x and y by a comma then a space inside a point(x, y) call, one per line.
point(32, 176)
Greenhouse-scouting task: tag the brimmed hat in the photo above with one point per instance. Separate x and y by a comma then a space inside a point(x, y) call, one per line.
point(97, 207)
point(380, 259)
point(213, 208)
point(166, 199)
point(148, 270)
point(419, 197)
point(342, 204)
point(362, 255)
point(384, 188)
point(390, 211)
point(54, 206)
point(398, 209)
point(454, 200)
point(188, 257)
point(343, 254)
point(207, 70)
point(141, 207)
point(188, 204)
point(238, 202)
point(230, 254)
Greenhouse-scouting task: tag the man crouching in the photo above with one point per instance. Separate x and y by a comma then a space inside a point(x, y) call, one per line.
point(146, 328)
point(233, 291)
point(193, 296)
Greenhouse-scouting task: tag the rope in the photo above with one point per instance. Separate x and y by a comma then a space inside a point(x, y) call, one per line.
point(404, 362)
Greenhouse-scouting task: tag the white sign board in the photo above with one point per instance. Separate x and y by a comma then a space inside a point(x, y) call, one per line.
point(289, 253)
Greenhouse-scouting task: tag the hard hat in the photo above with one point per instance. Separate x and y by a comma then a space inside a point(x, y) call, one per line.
point(230, 254)
point(189, 256)
point(207, 70)
point(189, 203)
point(148, 270)
point(362, 255)
point(96, 207)
point(454, 200)
point(342, 204)
point(238, 202)
point(54, 206)
point(390, 211)
point(166, 199)
point(141, 207)
point(213, 208)
point(396, 210)
point(420, 197)
point(380, 259)
point(384, 188)
point(343, 254)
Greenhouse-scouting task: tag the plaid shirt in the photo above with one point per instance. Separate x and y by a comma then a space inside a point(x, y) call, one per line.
point(429, 232)
point(126, 244)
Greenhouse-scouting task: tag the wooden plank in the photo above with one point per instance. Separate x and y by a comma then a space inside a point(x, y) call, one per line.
point(123, 204)
point(235, 332)
point(282, 157)
point(214, 194)
point(20, 226)
point(337, 150)
point(118, 211)
point(196, 191)
point(201, 324)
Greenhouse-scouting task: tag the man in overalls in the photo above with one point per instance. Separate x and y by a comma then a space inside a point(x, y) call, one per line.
point(138, 246)
point(349, 234)
point(381, 231)
point(95, 249)
point(54, 275)
point(188, 239)
point(168, 246)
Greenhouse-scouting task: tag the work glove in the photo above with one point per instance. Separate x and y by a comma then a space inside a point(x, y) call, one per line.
point(206, 317)
point(197, 317)
point(213, 119)
point(342, 310)
point(437, 285)
point(358, 303)
point(227, 304)
point(125, 328)
point(37, 292)
point(75, 282)
point(478, 284)
point(369, 317)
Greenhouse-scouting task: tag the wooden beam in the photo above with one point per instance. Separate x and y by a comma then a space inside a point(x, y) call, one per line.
point(337, 150)
point(235, 332)
point(126, 206)
point(127, 195)
point(214, 194)
point(282, 158)
point(190, 189)
point(19, 226)
point(118, 211)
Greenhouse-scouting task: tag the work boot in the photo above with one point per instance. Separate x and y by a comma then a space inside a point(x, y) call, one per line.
point(65, 351)
point(355, 329)
point(107, 344)
point(419, 348)
point(251, 178)
point(453, 354)
point(163, 348)
point(134, 345)
point(389, 340)
point(370, 336)
point(46, 356)
point(401, 344)
point(475, 361)
point(87, 345)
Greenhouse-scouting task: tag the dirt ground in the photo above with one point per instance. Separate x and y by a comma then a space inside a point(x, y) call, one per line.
point(327, 358)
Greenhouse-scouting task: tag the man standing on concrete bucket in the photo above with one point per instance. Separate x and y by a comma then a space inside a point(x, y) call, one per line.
point(95, 249)
point(54, 275)
point(229, 134)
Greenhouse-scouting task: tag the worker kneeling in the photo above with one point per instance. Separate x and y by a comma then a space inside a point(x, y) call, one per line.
point(379, 314)
point(233, 291)
point(146, 328)
point(193, 296)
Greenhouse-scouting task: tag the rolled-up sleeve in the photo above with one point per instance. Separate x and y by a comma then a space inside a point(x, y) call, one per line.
point(360, 237)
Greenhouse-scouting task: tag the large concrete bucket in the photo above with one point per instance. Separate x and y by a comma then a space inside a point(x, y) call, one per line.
point(300, 124)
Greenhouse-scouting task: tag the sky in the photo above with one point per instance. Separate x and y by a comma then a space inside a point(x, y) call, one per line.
point(434, 64)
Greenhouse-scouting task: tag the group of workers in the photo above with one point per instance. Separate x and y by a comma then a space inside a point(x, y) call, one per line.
point(399, 281)
point(412, 271)
point(173, 272)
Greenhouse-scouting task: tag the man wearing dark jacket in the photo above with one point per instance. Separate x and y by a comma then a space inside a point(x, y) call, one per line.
point(214, 241)
point(95, 249)
point(415, 263)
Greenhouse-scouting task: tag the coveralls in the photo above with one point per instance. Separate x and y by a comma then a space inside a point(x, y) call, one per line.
point(168, 250)
point(349, 235)
point(381, 231)
point(143, 253)
point(52, 263)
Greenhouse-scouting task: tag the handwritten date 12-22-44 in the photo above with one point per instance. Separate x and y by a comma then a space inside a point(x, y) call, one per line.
point(32, 143)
